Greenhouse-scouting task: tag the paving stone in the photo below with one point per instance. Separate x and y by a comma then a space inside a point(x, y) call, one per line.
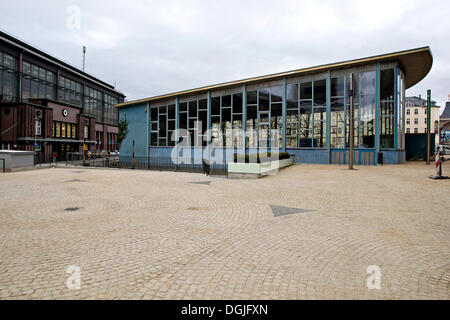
point(309, 232)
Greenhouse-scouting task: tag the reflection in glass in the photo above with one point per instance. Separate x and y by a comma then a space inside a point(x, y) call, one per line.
point(252, 126)
point(387, 105)
point(264, 104)
point(367, 109)
point(337, 113)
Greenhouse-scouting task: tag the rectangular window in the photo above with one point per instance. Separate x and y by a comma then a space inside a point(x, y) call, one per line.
point(313, 114)
point(38, 127)
point(252, 126)
point(226, 125)
point(58, 129)
point(63, 130)
point(367, 109)
point(292, 116)
point(74, 131)
point(237, 125)
point(252, 98)
point(69, 130)
point(387, 105)
point(306, 115)
point(337, 113)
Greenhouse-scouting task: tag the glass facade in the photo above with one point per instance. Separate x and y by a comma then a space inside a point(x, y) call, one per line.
point(70, 91)
point(8, 77)
point(41, 83)
point(110, 113)
point(387, 107)
point(37, 82)
point(317, 115)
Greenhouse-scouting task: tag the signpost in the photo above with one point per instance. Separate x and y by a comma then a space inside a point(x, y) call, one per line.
point(439, 161)
point(84, 152)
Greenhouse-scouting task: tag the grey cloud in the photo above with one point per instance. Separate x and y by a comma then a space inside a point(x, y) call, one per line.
point(154, 47)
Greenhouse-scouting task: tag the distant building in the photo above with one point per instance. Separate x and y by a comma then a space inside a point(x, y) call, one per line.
point(416, 115)
point(49, 106)
point(445, 124)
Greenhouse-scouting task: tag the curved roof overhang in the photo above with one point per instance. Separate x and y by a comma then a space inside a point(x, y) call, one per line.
point(416, 64)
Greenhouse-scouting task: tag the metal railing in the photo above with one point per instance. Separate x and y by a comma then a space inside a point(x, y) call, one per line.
point(139, 163)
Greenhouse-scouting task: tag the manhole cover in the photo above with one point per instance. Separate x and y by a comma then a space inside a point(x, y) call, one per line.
point(279, 211)
point(76, 180)
point(71, 209)
point(206, 183)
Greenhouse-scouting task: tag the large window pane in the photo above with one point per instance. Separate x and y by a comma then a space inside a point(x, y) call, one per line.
point(264, 103)
point(252, 127)
point(292, 96)
point(252, 97)
point(367, 109)
point(387, 104)
point(337, 113)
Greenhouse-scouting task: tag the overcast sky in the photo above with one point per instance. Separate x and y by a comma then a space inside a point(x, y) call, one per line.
point(154, 47)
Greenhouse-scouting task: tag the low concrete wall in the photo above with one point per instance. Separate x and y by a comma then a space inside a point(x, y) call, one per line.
point(256, 170)
point(17, 159)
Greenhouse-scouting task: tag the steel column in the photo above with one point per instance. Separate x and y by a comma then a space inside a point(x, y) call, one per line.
point(377, 113)
point(284, 107)
point(328, 115)
point(395, 108)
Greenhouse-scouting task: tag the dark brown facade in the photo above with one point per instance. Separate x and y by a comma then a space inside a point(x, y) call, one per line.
point(47, 127)
point(49, 106)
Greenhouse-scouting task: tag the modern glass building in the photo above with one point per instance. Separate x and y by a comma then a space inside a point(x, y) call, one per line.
point(304, 112)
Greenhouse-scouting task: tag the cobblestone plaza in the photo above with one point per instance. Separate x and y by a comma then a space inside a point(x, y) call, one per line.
point(310, 232)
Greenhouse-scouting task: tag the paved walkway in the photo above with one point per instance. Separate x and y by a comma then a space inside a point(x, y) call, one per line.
point(156, 235)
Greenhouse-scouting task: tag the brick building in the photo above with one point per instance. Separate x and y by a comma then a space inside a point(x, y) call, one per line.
point(47, 105)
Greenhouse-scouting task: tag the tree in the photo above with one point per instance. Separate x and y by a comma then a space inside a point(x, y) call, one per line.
point(123, 130)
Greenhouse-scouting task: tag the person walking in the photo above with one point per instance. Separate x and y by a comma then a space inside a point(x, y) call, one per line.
point(54, 155)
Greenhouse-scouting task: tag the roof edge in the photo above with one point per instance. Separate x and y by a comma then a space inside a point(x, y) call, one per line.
point(274, 76)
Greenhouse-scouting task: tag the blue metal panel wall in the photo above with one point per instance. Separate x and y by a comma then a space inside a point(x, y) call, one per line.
point(138, 131)
point(318, 156)
point(393, 156)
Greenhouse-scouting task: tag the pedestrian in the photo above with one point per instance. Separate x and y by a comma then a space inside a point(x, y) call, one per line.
point(54, 155)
